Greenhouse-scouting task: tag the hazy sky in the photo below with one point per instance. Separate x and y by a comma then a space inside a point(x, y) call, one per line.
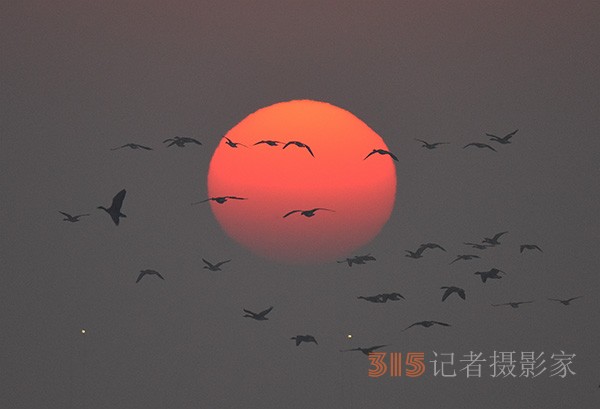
point(79, 78)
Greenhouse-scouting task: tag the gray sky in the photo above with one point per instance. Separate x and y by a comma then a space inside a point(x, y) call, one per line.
point(79, 78)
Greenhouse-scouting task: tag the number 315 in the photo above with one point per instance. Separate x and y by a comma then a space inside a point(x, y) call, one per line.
point(414, 364)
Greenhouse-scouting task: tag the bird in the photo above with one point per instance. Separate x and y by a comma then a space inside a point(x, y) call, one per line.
point(233, 144)
point(513, 304)
point(307, 213)
point(565, 302)
point(503, 140)
point(450, 290)
point(530, 247)
point(300, 145)
point(72, 219)
point(132, 146)
point(382, 152)
point(415, 254)
point(373, 298)
point(115, 208)
point(432, 246)
point(180, 141)
point(392, 296)
point(261, 316)
point(365, 351)
point(479, 145)
point(491, 274)
point(351, 261)
point(493, 240)
point(148, 272)
point(220, 199)
point(214, 267)
point(268, 142)
point(477, 245)
point(464, 257)
point(366, 257)
point(428, 145)
point(427, 324)
point(304, 338)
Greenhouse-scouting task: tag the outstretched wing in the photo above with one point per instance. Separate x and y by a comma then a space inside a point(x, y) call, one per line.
point(497, 236)
point(510, 135)
point(447, 293)
point(117, 201)
point(65, 214)
point(265, 312)
point(441, 323)
point(293, 211)
point(309, 150)
point(392, 155)
point(574, 298)
point(372, 152)
point(221, 263)
point(208, 263)
point(143, 273)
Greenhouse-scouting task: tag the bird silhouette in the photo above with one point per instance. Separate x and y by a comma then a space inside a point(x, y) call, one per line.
point(565, 302)
point(115, 208)
point(513, 304)
point(432, 246)
point(491, 274)
point(365, 351)
point(351, 261)
point(72, 219)
point(450, 290)
point(493, 241)
point(366, 257)
point(393, 296)
point(180, 141)
point(220, 199)
point(427, 324)
point(148, 272)
point(477, 245)
point(261, 316)
point(268, 142)
point(529, 247)
point(382, 152)
point(300, 145)
point(428, 145)
point(233, 144)
point(214, 267)
point(304, 338)
point(479, 145)
point(503, 140)
point(415, 254)
point(132, 146)
point(464, 257)
point(373, 298)
point(307, 213)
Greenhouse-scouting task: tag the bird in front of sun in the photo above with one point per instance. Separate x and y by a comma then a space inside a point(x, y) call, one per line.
point(220, 199)
point(300, 145)
point(480, 146)
point(233, 144)
point(304, 338)
point(148, 272)
point(115, 208)
point(132, 146)
point(72, 219)
point(427, 324)
point(565, 302)
point(269, 142)
point(307, 213)
point(365, 351)
point(513, 304)
point(180, 141)
point(430, 146)
point(502, 140)
point(258, 316)
point(214, 267)
point(382, 152)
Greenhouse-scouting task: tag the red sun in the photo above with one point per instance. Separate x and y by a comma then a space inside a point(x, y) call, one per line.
point(275, 180)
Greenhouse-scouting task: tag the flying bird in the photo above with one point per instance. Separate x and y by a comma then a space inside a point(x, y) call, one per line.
point(513, 304)
point(530, 247)
point(268, 142)
point(428, 145)
point(307, 213)
point(180, 141)
point(477, 246)
point(450, 290)
point(351, 261)
point(464, 257)
point(491, 274)
point(493, 241)
point(233, 144)
point(300, 145)
point(221, 199)
point(503, 140)
point(148, 272)
point(115, 208)
point(382, 298)
point(132, 146)
point(382, 152)
point(479, 145)
point(427, 324)
point(432, 246)
point(565, 302)
point(214, 267)
point(365, 351)
point(72, 219)
point(366, 257)
point(304, 338)
point(415, 254)
point(372, 298)
point(261, 316)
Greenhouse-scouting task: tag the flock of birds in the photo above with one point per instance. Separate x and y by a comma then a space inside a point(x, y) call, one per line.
point(115, 213)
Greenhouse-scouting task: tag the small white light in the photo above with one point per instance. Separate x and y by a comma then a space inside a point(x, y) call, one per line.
point(83, 330)
point(349, 336)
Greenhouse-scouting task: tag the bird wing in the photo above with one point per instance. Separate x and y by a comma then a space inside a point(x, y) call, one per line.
point(289, 143)
point(309, 150)
point(293, 211)
point(510, 135)
point(373, 348)
point(348, 350)
point(485, 145)
point(236, 198)
point(221, 263)
point(393, 156)
point(265, 312)
point(208, 263)
point(492, 136)
point(461, 294)
point(441, 323)
point(158, 274)
point(574, 298)
point(65, 214)
point(249, 312)
point(410, 326)
point(421, 140)
point(145, 147)
point(117, 201)
point(447, 293)
point(322, 208)
point(497, 236)
point(202, 201)
point(81, 215)
point(143, 273)
point(420, 250)
point(372, 152)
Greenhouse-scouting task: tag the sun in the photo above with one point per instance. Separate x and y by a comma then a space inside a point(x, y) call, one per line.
point(325, 167)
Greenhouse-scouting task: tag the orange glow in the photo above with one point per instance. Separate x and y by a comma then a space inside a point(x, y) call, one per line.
point(276, 181)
